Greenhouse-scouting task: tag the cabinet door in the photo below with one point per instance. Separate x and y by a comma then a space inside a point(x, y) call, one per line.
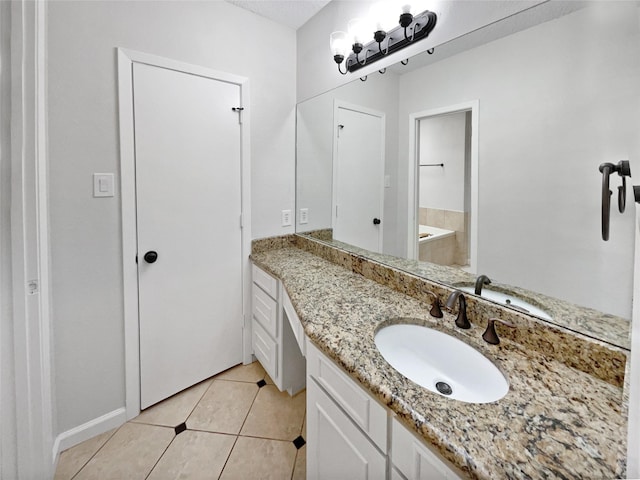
point(337, 449)
point(414, 460)
point(359, 405)
point(396, 475)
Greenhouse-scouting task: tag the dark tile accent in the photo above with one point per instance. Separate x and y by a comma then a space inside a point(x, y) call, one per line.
point(180, 428)
point(299, 442)
point(261, 383)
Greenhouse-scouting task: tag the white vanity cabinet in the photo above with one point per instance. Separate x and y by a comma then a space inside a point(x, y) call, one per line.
point(412, 459)
point(273, 340)
point(351, 435)
point(344, 425)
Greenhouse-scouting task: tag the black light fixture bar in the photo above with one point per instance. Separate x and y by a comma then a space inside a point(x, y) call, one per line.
point(395, 40)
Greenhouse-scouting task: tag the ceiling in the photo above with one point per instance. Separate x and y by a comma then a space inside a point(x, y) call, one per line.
point(292, 13)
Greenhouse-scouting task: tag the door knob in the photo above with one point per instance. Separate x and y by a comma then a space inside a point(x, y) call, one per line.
point(376, 221)
point(151, 256)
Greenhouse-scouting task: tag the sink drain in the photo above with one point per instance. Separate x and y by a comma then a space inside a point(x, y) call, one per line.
point(444, 388)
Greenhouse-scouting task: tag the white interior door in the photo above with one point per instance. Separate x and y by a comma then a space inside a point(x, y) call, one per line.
point(358, 174)
point(188, 193)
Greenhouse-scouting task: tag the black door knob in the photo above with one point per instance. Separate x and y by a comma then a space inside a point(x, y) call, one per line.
point(151, 256)
point(376, 221)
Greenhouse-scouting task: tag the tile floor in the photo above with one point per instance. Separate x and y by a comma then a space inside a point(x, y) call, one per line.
point(236, 425)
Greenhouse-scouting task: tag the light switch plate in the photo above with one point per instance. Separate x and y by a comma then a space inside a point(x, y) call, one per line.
point(103, 185)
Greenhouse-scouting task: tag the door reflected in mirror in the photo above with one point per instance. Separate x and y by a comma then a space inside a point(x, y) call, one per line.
point(358, 170)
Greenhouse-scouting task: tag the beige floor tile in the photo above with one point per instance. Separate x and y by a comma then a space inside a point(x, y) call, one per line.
point(300, 468)
point(243, 373)
point(224, 407)
point(130, 453)
point(275, 414)
point(258, 458)
point(176, 409)
point(73, 459)
point(194, 455)
point(268, 379)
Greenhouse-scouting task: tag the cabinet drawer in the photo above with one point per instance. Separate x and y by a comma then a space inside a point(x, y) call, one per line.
point(294, 321)
point(265, 310)
point(265, 349)
point(369, 415)
point(415, 460)
point(265, 281)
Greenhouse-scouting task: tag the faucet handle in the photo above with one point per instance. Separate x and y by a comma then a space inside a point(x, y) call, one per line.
point(435, 306)
point(490, 335)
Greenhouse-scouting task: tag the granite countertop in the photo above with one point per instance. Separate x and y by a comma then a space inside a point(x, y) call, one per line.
point(555, 422)
point(603, 326)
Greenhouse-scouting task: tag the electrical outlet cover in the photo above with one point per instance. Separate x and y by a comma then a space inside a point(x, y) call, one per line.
point(286, 218)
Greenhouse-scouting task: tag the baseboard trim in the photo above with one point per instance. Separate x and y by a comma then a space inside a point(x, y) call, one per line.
point(88, 430)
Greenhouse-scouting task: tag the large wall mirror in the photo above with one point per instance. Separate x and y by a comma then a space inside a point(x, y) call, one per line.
point(482, 159)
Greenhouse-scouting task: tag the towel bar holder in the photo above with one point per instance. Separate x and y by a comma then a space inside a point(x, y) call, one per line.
point(623, 169)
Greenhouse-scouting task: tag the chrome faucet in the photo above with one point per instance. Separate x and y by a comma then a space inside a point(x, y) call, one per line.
point(461, 321)
point(481, 281)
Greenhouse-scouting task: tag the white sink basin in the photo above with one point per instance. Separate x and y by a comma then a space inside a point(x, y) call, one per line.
point(510, 301)
point(440, 362)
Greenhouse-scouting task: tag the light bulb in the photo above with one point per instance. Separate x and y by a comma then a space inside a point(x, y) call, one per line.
point(419, 6)
point(339, 44)
point(383, 16)
point(359, 30)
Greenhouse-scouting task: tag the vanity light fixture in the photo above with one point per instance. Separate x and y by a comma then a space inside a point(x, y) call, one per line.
point(386, 38)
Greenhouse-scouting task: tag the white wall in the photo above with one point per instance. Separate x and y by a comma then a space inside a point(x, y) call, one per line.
point(554, 104)
point(314, 156)
point(8, 440)
point(443, 140)
point(318, 73)
point(83, 139)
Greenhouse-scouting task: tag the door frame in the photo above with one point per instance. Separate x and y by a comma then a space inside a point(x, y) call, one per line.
point(337, 104)
point(27, 383)
point(633, 425)
point(414, 176)
point(126, 59)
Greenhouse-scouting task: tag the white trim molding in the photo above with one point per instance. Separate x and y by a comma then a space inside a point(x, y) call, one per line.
point(472, 106)
point(633, 426)
point(89, 430)
point(8, 453)
point(126, 59)
point(30, 242)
